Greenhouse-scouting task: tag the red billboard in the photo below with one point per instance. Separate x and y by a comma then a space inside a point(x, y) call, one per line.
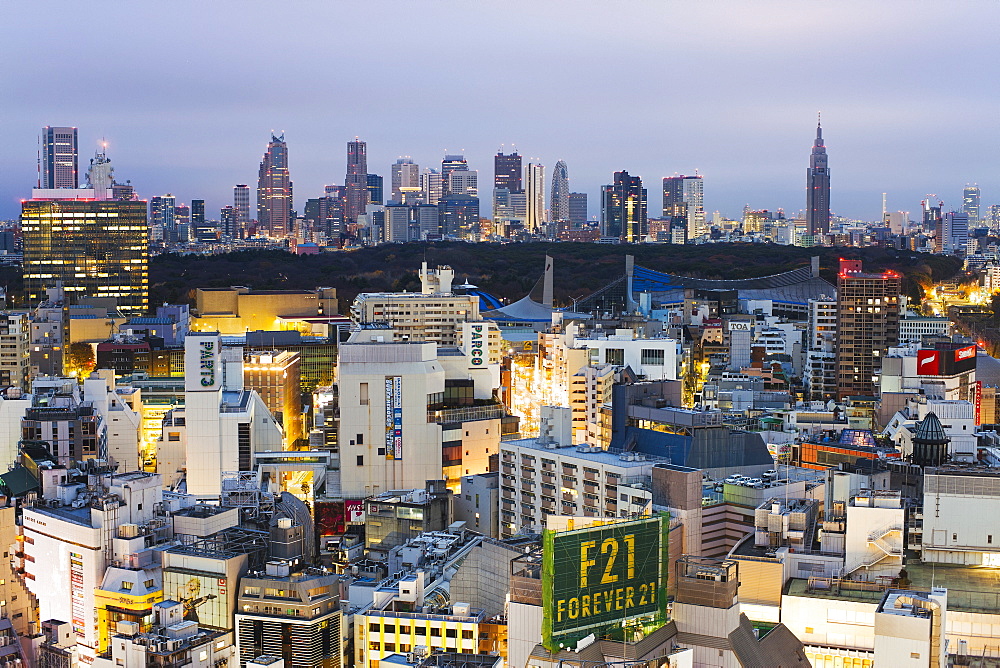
point(928, 362)
point(966, 353)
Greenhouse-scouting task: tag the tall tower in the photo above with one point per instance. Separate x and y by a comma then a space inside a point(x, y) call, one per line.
point(507, 172)
point(867, 326)
point(970, 203)
point(535, 198)
point(684, 201)
point(58, 166)
point(241, 205)
point(451, 163)
point(274, 190)
point(357, 179)
point(559, 196)
point(818, 188)
point(623, 208)
point(405, 174)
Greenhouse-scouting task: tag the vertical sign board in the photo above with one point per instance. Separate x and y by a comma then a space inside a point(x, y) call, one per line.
point(979, 402)
point(393, 417)
point(78, 601)
point(594, 579)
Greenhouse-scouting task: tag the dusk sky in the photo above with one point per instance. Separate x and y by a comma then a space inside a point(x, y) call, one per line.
point(187, 93)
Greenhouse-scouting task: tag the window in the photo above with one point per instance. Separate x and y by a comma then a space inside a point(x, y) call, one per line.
point(451, 633)
point(360, 439)
point(614, 356)
point(361, 460)
point(436, 632)
point(173, 436)
point(126, 586)
point(467, 634)
point(364, 394)
point(653, 357)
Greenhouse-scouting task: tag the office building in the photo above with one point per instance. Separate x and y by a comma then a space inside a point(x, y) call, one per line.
point(241, 203)
point(952, 234)
point(274, 191)
point(91, 248)
point(684, 203)
point(578, 209)
point(459, 216)
point(462, 183)
point(15, 337)
point(58, 166)
point(623, 209)
point(452, 163)
point(274, 375)
point(868, 316)
point(356, 180)
point(237, 310)
point(507, 171)
point(559, 194)
point(230, 227)
point(405, 174)
point(162, 217)
point(431, 186)
point(201, 229)
point(293, 614)
point(971, 204)
point(535, 198)
point(818, 189)
point(930, 214)
point(375, 195)
point(100, 175)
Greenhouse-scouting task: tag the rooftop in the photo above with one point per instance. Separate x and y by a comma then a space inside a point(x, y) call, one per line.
point(606, 457)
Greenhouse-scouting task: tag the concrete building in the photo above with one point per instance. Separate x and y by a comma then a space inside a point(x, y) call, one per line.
point(291, 614)
point(15, 338)
point(274, 375)
point(478, 503)
point(950, 533)
point(435, 314)
point(395, 517)
point(868, 312)
point(238, 310)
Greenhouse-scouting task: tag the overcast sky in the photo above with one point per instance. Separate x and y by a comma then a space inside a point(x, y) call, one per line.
point(186, 93)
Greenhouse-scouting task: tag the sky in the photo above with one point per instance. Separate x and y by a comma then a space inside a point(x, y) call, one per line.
point(187, 93)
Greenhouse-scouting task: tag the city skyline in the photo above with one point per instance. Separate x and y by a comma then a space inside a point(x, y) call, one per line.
point(873, 98)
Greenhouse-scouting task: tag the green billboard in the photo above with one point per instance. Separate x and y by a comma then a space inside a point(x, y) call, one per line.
point(596, 578)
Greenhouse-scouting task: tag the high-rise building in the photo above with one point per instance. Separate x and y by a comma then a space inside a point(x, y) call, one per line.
point(970, 203)
point(375, 188)
point(94, 248)
point(930, 214)
point(994, 216)
point(162, 217)
point(507, 171)
point(462, 182)
point(684, 202)
point(274, 190)
point(231, 227)
point(452, 163)
point(241, 204)
point(559, 195)
point(100, 175)
point(578, 209)
point(818, 189)
point(458, 216)
point(431, 186)
point(535, 198)
point(623, 208)
point(357, 179)
point(952, 236)
point(182, 222)
point(405, 174)
point(58, 166)
point(867, 326)
point(201, 229)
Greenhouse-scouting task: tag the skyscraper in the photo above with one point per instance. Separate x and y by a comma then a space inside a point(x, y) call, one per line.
point(241, 205)
point(818, 189)
point(559, 196)
point(357, 179)
point(375, 188)
point(100, 175)
point(274, 190)
point(450, 164)
point(405, 174)
point(578, 209)
point(431, 186)
point(201, 230)
point(94, 248)
point(162, 219)
point(867, 326)
point(58, 166)
point(684, 202)
point(507, 171)
point(970, 203)
point(534, 221)
point(231, 228)
point(623, 208)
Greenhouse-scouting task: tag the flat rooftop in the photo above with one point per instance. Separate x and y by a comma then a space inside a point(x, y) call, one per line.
point(970, 588)
point(605, 457)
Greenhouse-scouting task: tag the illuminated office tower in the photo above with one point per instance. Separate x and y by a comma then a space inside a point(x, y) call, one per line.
point(462, 183)
point(818, 189)
point(452, 163)
point(535, 198)
point(229, 220)
point(162, 217)
point(684, 202)
point(241, 205)
point(357, 179)
point(58, 166)
point(507, 172)
point(930, 217)
point(201, 229)
point(405, 174)
point(93, 248)
point(274, 190)
point(431, 186)
point(867, 326)
point(623, 208)
point(970, 203)
point(375, 184)
point(559, 196)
